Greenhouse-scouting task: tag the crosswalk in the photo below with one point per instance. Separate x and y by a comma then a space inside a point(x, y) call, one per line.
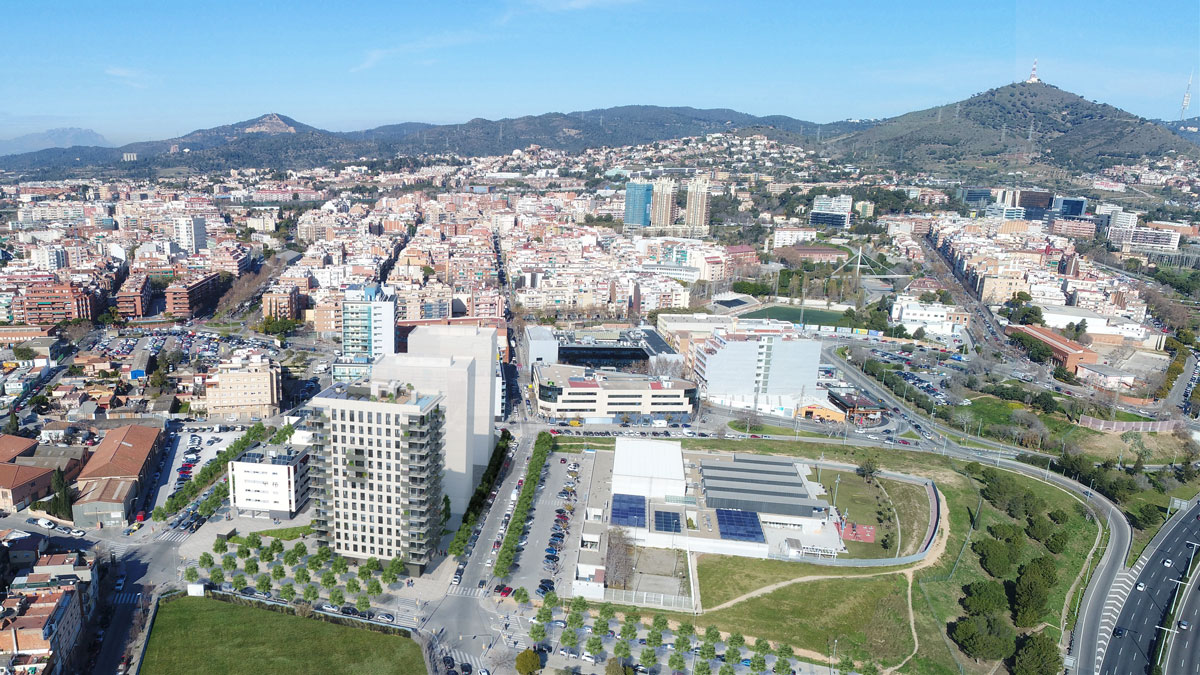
point(172, 535)
point(118, 550)
point(126, 598)
point(467, 591)
point(460, 656)
point(1122, 584)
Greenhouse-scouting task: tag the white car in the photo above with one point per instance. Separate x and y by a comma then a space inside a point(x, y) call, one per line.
point(1168, 562)
point(77, 533)
point(1141, 586)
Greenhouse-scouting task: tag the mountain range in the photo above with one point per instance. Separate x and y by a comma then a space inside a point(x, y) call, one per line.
point(1020, 123)
point(51, 138)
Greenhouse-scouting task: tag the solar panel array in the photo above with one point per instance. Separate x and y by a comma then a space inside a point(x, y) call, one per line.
point(666, 521)
point(739, 525)
point(628, 510)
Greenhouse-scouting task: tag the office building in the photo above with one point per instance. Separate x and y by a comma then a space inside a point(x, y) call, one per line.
point(637, 204)
point(1004, 212)
point(611, 397)
point(191, 233)
point(975, 196)
point(1070, 207)
point(133, 301)
point(663, 209)
point(830, 211)
point(695, 217)
point(368, 321)
point(377, 462)
point(244, 388)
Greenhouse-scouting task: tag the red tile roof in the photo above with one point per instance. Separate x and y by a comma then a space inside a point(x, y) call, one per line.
point(122, 453)
point(12, 447)
point(16, 475)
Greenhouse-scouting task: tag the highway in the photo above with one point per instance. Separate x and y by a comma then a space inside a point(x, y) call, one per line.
point(1182, 656)
point(1143, 610)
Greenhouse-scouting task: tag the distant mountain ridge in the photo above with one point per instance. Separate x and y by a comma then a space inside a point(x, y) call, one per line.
point(1025, 122)
point(51, 138)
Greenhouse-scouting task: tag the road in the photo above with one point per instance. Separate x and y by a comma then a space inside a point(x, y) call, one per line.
point(1182, 656)
point(1142, 612)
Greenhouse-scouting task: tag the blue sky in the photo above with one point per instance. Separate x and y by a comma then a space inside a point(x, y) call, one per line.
point(143, 70)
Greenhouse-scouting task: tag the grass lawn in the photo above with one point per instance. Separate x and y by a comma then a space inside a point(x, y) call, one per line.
point(860, 502)
point(239, 639)
point(911, 434)
point(822, 317)
point(774, 430)
point(1122, 416)
point(287, 533)
point(725, 577)
point(1142, 537)
point(912, 507)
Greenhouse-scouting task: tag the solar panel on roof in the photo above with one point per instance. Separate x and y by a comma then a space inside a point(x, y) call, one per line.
point(666, 521)
point(628, 510)
point(739, 525)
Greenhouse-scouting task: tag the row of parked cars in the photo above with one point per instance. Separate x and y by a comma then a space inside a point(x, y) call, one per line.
point(464, 668)
point(47, 524)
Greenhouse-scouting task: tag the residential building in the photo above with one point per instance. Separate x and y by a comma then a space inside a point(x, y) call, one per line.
point(605, 396)
point(49, 258)
point(281, 301)
point(637, 204)
point(378, 459)
point(41, 631)
point(831, 211)
point(133, 302)
point(934, 317)
point(368, 321)
point(695, 217)
point(272, 482)
point(1138, 238)
point(45, 304)
point(663, 209)
point(244, 388)
point(1078, 228)
point(185, 298)
point(191, 233)
point(790, 236)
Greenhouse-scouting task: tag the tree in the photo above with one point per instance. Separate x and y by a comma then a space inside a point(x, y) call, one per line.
point(614, 667)
point(266, 555)
point(521, 595)
point(220, 547)
point(329, 579)
point(216, 576)
point(758, 663)
point(253, 540)
point(570, 638)
point(579, 604)
point(985, 597)
point(648, 657)
point(337, 597)
point(986, 636)
point(229, 563)
point(1037, 655)
point(654, 638)
point(278, 573)
point(251, 567)
point(735, 642)
point(621, 651)
point(300, 549)
point(708, 651)
point(206, 559)
point(919, 333)
point(159, 514)
point(712, 634)
point(594, 645)
point(677, 662)
point(191, 575)
point(550, 600)
point(24, 353)
point(868, 468)
point(537, 632)
point(629, 629)
point(659, 622)
point(683, 643)
point(387, 576)
point(352, 586)
point(702, 668)
point(374, 589)
point(993, 557)
point(362, 603)
point(287, 592)
point(727, 669)
point(339, 565)
point(528, 662)
point(239, 581)
point(311, 593)
point(300, 574)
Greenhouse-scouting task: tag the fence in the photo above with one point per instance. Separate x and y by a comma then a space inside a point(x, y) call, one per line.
point(647, 599)
point(1120, 427)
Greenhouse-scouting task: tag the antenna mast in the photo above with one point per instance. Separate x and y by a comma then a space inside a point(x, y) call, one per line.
point(1187, 98)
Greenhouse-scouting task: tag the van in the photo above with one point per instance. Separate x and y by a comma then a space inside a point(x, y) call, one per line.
point(588, 657)
point(661, 424)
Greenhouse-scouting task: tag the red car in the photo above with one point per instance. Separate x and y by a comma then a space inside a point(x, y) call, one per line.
point(506, 592)
point(521, 483)
point(563, 460)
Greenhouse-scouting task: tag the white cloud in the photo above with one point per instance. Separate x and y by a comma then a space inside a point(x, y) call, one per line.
point(127, 76)
point(430, 43)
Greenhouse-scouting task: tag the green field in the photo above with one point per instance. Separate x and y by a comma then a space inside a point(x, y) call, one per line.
point(200, 636)
point(823, 317)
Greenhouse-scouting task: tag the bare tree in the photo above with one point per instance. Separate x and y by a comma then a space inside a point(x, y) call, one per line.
point(619, 561)
point(751, 421)
point(664, 366)
point(963, 419)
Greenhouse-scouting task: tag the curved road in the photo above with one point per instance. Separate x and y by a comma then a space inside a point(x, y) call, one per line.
point(1091, 633)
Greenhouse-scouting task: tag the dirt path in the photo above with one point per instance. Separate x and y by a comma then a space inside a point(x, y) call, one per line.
point(935, 554)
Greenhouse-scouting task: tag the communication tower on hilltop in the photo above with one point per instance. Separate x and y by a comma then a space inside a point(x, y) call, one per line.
point(1033, 78)
point(1187, 99)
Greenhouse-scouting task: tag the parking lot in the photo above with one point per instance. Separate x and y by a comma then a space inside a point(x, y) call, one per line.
point(532, 560)
point(176, 453)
